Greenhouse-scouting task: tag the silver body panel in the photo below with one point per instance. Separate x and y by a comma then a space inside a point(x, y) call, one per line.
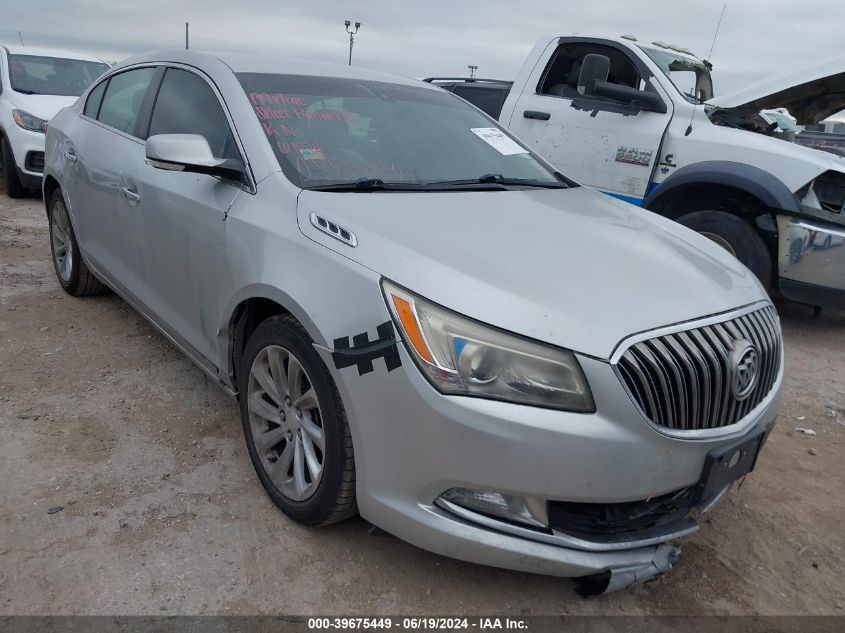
point(567, 267)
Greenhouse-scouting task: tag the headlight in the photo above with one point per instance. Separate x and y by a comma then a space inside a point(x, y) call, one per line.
point(463, 357)
point(29, 122)
point(826, 192)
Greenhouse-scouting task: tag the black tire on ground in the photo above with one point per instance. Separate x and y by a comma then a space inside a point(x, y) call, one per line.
point(737, 236)
point(14, 188)
point(80, 281)
point(334, 497)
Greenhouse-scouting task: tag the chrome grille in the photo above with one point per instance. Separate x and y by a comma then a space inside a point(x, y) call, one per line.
point(682, 380)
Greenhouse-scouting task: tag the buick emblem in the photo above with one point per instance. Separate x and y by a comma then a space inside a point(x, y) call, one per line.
point(745, 368)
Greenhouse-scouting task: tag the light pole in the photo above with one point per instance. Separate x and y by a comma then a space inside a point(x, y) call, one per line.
point(351, 36)
point(472, 70)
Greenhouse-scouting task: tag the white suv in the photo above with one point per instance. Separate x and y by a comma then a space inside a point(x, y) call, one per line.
point(34, 85)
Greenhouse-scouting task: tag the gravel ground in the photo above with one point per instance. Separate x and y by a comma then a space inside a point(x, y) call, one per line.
point(161, 512)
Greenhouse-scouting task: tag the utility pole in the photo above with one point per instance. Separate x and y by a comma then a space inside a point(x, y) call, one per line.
point(186, 36)
point(472, 70)
point(21, 38)
point(351, 36)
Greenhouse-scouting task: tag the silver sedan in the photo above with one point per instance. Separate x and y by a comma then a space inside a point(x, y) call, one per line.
point(423, 321)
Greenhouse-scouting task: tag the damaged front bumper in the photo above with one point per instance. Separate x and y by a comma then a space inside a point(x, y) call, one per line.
point(618, 578)
point(615, 578)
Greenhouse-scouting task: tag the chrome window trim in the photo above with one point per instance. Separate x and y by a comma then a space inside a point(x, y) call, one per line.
point(249, 188)
point(104, 79)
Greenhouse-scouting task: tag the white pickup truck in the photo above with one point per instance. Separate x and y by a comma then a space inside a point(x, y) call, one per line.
point(640, 122)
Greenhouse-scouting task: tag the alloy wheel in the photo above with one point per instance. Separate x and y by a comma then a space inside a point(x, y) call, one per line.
point(60, 236)
point(286, 422)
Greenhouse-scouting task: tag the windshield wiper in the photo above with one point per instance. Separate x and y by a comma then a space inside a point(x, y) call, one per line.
point(367, 184)
point(499, 179)
point(24, 91)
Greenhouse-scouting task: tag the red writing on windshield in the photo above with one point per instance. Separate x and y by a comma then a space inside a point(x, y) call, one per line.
point(264, 98)
point(270, 129)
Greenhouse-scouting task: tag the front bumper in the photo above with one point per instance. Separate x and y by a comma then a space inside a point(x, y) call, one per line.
point(412, 444)
point(28, 150)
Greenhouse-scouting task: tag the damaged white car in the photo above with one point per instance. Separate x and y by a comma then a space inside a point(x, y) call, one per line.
point(639, 122)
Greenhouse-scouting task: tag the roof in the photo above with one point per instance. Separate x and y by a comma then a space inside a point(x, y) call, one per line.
point(281, 65)
point(50, 52)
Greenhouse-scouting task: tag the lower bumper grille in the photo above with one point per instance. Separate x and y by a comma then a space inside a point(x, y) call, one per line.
point(706, 377)
point(35, 162)
point(636, 520)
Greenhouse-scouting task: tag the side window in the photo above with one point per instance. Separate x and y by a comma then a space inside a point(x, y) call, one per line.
point(561, 76)
point(95, 98)
point(186, 104)
point(123, 99)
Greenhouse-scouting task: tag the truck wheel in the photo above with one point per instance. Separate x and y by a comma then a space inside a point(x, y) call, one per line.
point(295, 425)
point(737, 237)
point(71, 271)
point(14, 188)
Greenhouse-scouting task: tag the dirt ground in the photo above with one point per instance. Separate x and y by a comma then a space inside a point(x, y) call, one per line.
point(162, 512)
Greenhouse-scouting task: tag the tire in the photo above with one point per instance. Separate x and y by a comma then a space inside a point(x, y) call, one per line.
point(14, 188)
point(71, 271)
point(737, 236)
point(278, 434)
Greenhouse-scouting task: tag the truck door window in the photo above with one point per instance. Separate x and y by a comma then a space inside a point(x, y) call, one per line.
point(561, 76)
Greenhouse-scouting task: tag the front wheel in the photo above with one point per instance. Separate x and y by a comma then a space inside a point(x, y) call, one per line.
point(737, 237)
point(295, 425)
point(14, 188)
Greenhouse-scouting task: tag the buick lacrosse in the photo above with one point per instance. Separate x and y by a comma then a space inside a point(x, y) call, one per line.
point(422, 321)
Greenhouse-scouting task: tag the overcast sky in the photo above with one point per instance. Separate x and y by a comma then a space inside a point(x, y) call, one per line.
point(437, 37)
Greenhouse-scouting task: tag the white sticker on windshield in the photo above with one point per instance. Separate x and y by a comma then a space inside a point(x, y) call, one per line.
point(498, 140)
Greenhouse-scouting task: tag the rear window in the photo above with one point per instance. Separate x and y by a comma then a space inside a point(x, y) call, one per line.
point(327, 130)
point(95, 98)
point(39, 75)
point(488, 100)
point(123, 99)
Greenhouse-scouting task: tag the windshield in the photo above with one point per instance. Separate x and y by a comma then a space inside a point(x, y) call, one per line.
point(690, 77)
point(330, 131)
point(38, 75)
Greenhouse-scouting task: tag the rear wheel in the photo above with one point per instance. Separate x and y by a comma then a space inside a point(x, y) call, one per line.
point(14, 188)
point(71, 271)
point(295, 425)
point(737, 237)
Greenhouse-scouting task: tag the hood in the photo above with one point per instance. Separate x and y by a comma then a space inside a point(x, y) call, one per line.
point(571, 267)
point(811, 94)
point(43, 106)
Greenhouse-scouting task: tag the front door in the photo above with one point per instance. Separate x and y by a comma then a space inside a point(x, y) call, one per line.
point(178, 217)
point(597, 141)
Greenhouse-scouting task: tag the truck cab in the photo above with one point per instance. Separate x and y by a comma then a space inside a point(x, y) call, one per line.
point(639, 122)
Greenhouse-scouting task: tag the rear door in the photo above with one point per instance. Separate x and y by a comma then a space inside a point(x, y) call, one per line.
point(178, 218)
point(94, 154)
point(597, 141)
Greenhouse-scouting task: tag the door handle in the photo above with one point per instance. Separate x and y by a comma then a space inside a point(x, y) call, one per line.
point(536, 114)
point(69, 155)
point(131, 195)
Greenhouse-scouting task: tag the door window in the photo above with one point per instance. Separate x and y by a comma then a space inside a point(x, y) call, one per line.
point(186, 104)
point(123, 99)
point(95, 98)
point(561, 76)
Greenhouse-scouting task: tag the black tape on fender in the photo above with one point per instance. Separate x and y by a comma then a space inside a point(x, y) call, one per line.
point(363, 351)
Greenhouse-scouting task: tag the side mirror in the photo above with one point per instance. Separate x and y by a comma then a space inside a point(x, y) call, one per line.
point(190, 153)
point(593, 68)
point(642, 99)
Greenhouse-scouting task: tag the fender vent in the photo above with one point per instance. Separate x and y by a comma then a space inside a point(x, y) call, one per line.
point(335, 230)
